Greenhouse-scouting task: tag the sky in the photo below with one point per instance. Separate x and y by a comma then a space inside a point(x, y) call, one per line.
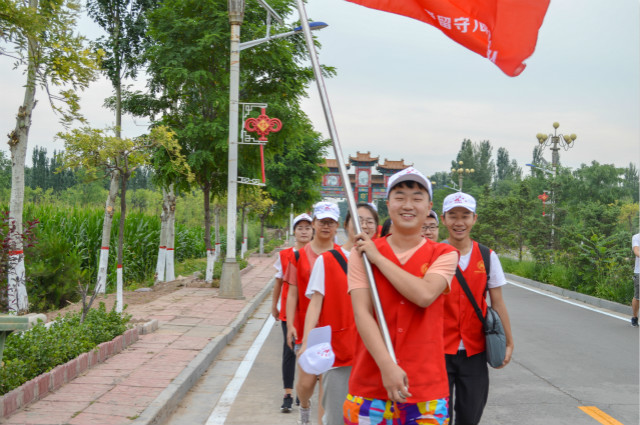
point(404, 90)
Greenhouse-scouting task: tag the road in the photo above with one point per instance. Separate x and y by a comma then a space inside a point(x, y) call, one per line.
point(571, 366)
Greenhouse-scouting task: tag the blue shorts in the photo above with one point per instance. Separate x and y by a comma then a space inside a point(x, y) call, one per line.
point(360, 410)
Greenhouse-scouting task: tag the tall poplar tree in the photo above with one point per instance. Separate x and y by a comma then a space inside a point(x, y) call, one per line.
point(125, 23)
point(39, 36)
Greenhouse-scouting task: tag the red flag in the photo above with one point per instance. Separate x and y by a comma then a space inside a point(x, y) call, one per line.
point(503, 31)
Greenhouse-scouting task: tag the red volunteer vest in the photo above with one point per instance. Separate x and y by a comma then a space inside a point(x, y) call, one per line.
point(286, 256)
point(415, 334)
point(303, 273)
point(460, 319)
point(337, 310)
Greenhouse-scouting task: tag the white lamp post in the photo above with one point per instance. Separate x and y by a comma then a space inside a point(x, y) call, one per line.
point(230, 285)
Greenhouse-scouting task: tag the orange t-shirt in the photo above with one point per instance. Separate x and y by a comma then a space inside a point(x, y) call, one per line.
point(442, 266)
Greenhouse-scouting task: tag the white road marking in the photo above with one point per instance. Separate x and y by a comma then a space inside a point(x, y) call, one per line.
point(220, 412)
point(559, 298)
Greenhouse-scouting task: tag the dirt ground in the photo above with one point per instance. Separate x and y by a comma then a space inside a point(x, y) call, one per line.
point(136, 297)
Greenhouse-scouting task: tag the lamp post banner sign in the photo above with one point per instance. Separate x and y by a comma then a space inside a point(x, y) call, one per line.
point(503, 31)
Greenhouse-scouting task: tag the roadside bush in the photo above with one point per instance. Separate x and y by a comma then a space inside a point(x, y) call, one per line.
point(55, 269)
point(31, 353)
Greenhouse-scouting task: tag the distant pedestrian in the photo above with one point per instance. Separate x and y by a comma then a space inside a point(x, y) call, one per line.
point(330, 304)
point(464, 338)
point(325, 224)
point(635, 245)
point(302, 232)
point(430, 226)
point(411, 273)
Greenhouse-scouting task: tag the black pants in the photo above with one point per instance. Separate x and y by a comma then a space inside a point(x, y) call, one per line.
point(468, 387)
point(288, 361)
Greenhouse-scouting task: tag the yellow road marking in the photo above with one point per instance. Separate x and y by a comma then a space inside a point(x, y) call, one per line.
point(599, 415)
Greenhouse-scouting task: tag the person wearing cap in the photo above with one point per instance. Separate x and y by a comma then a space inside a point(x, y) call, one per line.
point(330, 305)
point(302, 232)
point(464, 336)
point(325, 224)
point(410, 274)
point(430, 226)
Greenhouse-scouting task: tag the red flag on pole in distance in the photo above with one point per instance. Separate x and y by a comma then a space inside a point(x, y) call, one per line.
point(503, 31)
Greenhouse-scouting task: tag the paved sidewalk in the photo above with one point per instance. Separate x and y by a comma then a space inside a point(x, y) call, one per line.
point(143, 383)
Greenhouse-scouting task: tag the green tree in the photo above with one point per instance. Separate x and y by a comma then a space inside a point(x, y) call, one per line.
point(476, 156)
point(188, 58)
point(295, 175)
point(40, 37)
point(95, 150)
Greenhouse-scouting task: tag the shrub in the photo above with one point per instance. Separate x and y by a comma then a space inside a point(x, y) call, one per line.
point(31, 353)
point(55, 269)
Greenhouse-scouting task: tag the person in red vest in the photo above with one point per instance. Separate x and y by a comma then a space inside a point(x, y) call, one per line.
point(430, 226)
point(325, 225)
point(302, 232)
point(463, 331)
point(411, 273)
point(330, 304)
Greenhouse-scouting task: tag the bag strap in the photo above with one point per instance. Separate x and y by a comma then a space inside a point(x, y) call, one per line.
point(340, 259)
point(465, 288)
point(485, 252)
point(296, 254)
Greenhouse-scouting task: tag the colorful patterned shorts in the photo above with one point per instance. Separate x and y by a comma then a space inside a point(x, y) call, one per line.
point(361, 411)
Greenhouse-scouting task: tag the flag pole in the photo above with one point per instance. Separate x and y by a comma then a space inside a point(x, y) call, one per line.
point(343, 173)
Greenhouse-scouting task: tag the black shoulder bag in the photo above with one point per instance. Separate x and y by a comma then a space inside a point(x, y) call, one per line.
point(493, 330)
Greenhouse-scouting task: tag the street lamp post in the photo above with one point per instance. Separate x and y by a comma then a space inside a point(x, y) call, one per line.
point(461, 172)
point(230, 285)
point(555, 141)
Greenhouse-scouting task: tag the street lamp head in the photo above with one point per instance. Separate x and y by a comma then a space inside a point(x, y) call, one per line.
point(466, 170)
point(453, 170)
point(460, 162)
point(573, 137)
point(567, 138)
point(472, 170)
point(556, 125)
point(460, 170)
point(312, 26)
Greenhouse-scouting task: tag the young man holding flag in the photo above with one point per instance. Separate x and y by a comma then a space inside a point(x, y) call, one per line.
point(411, 273)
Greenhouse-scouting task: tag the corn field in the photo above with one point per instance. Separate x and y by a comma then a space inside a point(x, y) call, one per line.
point(78, 231)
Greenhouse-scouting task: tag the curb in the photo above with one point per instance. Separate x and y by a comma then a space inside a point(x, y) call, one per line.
point(587, 299)
point(47, 382)
point(166, 402)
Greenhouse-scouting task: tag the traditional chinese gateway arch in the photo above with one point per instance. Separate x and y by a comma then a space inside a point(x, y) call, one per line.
point(367, 186)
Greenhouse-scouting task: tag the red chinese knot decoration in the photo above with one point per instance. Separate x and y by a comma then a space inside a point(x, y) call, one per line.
point(263, 125)
point(543, 198)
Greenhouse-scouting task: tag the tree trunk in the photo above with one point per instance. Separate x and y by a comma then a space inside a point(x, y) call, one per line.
point(217, 232)
point(17, 298)
point(103, 265)
point(261, 234)
point(206, 191)
point(244, 247)
point(171, 232)
point(123, 210)
point(162, 249)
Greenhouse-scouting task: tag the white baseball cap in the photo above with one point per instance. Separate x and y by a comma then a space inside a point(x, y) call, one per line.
point(459, 199)
point(318, 357)
point(302, 217)
point(326, 210)
point(409, 174)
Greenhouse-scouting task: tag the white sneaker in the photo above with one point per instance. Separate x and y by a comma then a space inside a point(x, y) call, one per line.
point(305, 416)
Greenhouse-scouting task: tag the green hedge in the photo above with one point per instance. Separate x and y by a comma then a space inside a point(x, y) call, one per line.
point(34, 352)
